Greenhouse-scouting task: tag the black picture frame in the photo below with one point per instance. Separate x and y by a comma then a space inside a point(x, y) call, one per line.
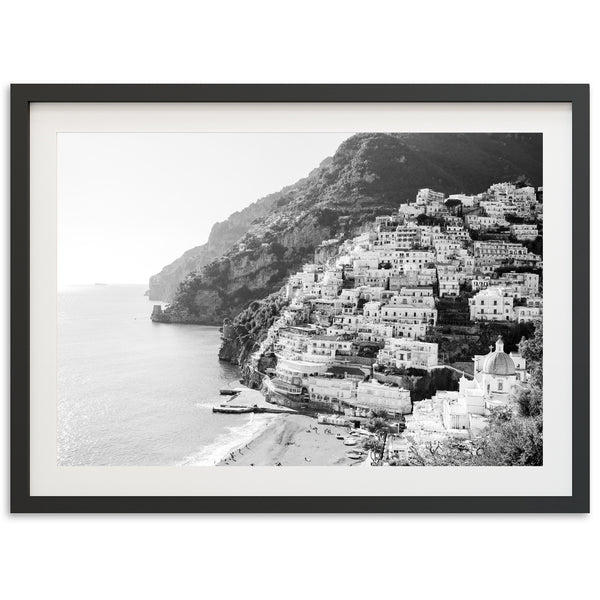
point(22, 95)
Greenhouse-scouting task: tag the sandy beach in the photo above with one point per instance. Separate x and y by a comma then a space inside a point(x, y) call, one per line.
point(293, 441)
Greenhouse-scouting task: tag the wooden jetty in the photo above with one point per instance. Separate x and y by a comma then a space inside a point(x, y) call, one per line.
point(244, 400)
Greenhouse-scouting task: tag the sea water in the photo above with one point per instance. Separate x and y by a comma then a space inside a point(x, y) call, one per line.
point(134, 392)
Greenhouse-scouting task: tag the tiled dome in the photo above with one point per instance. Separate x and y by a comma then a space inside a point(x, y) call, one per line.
point(498, 362)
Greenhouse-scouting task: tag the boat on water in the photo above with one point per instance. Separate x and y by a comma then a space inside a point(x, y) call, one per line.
point(350, 441)
point(232, 410)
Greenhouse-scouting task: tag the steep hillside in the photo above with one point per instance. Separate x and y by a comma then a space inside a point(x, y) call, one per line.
point(223, 235)
point(370, 174)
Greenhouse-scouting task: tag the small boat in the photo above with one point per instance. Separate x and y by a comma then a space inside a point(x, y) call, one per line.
point(359, 432)
point(232, 410)
point(354, 455)
point(228, 392)
point(339, 436)
point(350, 442)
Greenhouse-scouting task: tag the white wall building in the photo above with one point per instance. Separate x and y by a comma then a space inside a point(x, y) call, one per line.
point(532, 311)
point(479, 222)
point(492, 304)
point(331, 390)
point(366, 263)
point(427, 195)
point(427, 233)
point(409, 314)
point(497, 375)
point(466, 201)
point(449, 284)
point(525, 284)
point(436, 209)
point(373, 395)
point(410, 330)
point(524, 231)
point(292, 375)
point(406, 353)
point(411, 210)
point(498, 249)
point(480, 283)
point(324, 348)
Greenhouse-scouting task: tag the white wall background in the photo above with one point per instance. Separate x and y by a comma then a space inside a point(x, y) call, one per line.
point(279, 556)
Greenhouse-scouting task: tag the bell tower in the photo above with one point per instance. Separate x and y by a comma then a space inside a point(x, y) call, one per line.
point(499, 344)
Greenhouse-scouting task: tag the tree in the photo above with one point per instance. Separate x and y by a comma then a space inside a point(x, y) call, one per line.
point(429, 220)
point(512, 440)
point(380, 426)
point(452, 452)
point(375, 446)
point(452, 203)
point(278, 250)
point(326, 217)
point(532, 350)
point(530, 400)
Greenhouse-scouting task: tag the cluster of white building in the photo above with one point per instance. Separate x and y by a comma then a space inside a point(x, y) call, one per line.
point(380, 289)
point(464, 413)
point(502, 199)
point(511, 297)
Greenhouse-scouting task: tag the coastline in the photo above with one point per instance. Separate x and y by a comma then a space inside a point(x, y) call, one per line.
point(292, 440)
point(236, 437)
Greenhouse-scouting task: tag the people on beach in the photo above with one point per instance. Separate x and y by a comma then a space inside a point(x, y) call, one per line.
point(292, 444)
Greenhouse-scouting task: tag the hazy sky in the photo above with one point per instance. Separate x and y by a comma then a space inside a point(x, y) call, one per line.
point(130, 203)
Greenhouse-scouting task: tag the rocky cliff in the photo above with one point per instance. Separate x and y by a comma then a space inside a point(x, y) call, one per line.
point(243, 335)
point(163, 286)
point(370, 174)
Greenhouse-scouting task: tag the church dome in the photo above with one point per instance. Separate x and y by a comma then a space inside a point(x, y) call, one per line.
point(498, 362)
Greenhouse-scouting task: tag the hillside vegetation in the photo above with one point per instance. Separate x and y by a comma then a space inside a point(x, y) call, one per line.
point(250, 255)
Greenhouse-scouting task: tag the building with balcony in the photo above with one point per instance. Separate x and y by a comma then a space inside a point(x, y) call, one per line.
point(498, 249)
point(524, 231)
point(332, 390)
point(372, 395)
point(492, 304)
point(427, 196)
point(525, 284)
point(449, 284)
point(407, 353)
point(532, 311)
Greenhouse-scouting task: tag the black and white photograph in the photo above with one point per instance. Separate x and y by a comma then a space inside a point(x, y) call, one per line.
point(357, 299)
point(299, 300)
